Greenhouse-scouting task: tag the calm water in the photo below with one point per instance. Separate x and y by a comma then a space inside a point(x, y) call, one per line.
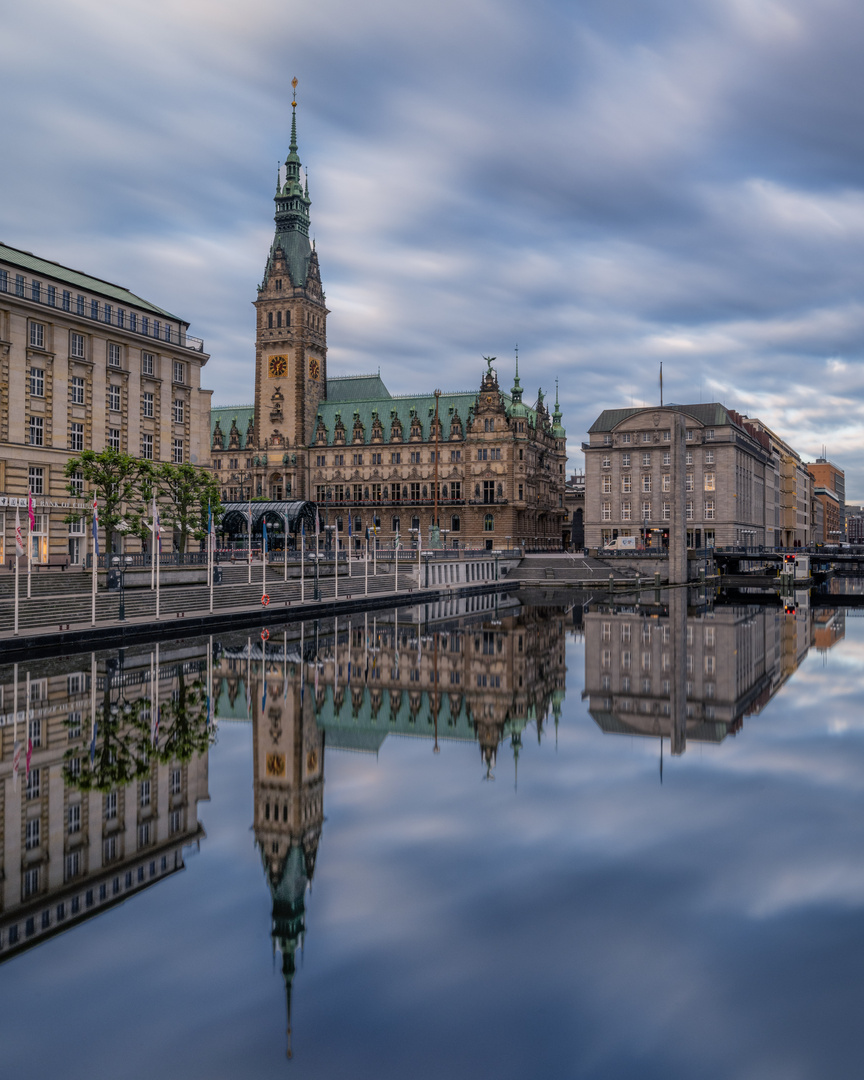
point(546, 889)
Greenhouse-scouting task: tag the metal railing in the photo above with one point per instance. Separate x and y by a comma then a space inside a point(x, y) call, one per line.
point(143, 559)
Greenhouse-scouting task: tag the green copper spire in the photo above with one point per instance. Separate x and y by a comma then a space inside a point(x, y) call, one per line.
point(292, 212)
point(557, 429)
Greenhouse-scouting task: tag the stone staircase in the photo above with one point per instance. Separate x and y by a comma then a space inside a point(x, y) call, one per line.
point(568, 569)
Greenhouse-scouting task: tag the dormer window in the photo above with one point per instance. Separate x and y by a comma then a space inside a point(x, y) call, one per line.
point(278, 283)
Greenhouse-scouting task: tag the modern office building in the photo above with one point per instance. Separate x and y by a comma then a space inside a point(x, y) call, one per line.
point(491, 464)
point(86, 365)
point(829, 487)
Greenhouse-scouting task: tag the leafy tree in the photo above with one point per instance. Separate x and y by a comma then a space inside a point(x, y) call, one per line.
point(120, 483)
point(183, 492)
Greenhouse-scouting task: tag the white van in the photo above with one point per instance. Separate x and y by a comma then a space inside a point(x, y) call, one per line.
point(621, 543)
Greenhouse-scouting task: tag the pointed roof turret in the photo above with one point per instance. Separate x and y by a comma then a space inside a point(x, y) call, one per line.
point(292, 213)
point(557, 429)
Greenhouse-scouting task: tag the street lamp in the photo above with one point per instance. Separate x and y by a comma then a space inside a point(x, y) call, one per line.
point(120, 567)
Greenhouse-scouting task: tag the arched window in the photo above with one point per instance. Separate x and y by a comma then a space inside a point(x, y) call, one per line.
point(270, 319)
point(455, 523)
point(278, 318)
point(489, 523)
point(287, 318)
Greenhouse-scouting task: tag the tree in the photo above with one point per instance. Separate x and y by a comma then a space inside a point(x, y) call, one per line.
point(183, 492)
point(120, 483)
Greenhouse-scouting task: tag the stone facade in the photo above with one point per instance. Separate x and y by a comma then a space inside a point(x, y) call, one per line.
point(85, 364)
point(742, 484)
point(367, 456)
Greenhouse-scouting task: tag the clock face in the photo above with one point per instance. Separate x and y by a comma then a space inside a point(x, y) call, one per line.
point(314, 368)
point(277, 367)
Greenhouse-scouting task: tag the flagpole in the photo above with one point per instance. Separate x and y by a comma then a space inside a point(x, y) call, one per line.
point(17, 571)
point(366, 570)
point(16, 753)
point(285, 543)
point(249, 535)
point(210, 553)
point(264, 559)
point(302, 559)
point(158, 542)
point(349, 546)
point(396, 565)
point(95, 562)
point(336, 560)
point(29, 539)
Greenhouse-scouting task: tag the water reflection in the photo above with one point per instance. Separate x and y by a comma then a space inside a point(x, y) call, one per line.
point(104, 762)
point(684, 669)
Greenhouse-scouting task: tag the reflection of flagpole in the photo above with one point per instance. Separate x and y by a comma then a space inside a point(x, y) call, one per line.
point(16, 749)
point(285, 542)
point(302, 560)
point(249, 536)
point(349, 545)
point(19, 551)
point(210, 552)
point(93, 696)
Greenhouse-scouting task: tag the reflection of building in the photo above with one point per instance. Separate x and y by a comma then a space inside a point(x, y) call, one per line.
point(732, 661)
point(482, 677)
point(347, 443)
point(68, 853)
point(86, 365)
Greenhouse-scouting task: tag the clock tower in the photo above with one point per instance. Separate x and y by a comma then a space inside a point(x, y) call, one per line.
point(291, 338)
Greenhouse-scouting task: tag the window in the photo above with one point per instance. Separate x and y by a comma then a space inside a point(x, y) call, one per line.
point(178, 410)
point(76, 345)
point(114, 438)
point(667, 457)
point(31, 882)
point(689, 435)
point(358, 459)
point(646, 483)
point(175, 782)
point(19, 284)
point(688, 457)
point(147, 404)
point(396, 459)
point(625, 461)
point(690, 511)
point(625, 438)
point(114, 398)
point(67, 300)
point(156, 328)
point(625, 511)
point(133, 321)
point(72, 865)
point(667, 482)
point(709, 457)
point(144, 793)
point(688, 482)
point(646, 460)
point(709, 509)
point(607, 461)
point(320, 461)
point(626, 484)
point(709, 433)
point(177, 452)
point(32, 833)
point(76, 482)
point(144, 834)
point(113, 354)
point(94, 309)
point(37, 335)
point(33, 786)
point(625, 659)
point(646, 436)
point(455, 523)
point(106, 313)
point(76, 436)
point(77, 390)
point(4, 280)
point(488, 425)
point(667, 511)
point(455, 455)
point(606, 511)
point(646, 511)
point(37, 382)
point(145, 324)
point(607, 484)
point(395, 523)
point(709, 481)
point(174, 822)
point(147, 447)
point(73, 819)
point(146, 363)
point(456, 489)
point(376, 459)
point(179, 371)
point(488, 523)
point(607, 440)
point(521, 491)
point(36, 431)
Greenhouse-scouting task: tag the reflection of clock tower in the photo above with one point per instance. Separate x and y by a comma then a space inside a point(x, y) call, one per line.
point(288, 783)
point(291, 345)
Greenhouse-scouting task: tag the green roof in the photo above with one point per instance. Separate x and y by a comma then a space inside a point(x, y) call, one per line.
point(711, 415)
point(388, 409)
point(226, 414)
point(46, 268)
point(357, 388)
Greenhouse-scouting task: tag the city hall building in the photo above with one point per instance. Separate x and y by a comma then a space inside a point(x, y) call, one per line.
point(85, 365)
point(367, 456)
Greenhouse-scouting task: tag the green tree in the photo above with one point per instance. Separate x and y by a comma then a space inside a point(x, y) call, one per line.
point(121, 484)
point(183, 492)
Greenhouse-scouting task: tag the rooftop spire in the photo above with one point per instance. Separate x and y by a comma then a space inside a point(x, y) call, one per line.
point(292, 211)
point(516, 391)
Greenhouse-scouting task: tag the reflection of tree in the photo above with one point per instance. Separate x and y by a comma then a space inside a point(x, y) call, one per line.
point(124, 747)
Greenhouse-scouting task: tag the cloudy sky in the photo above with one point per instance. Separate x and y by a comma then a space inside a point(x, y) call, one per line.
point(608, 184)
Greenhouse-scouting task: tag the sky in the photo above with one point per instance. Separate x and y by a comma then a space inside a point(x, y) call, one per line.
point(608, 185)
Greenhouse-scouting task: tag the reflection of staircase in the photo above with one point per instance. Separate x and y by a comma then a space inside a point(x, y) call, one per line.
point(569, 569)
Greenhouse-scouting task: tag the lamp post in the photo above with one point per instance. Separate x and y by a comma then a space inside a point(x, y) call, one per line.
point(121, 565)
